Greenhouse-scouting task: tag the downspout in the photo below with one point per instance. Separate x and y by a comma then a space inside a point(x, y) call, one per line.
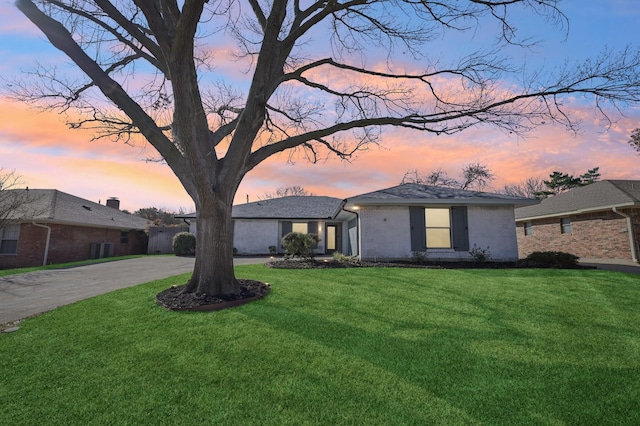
point(357, 227)
point(634, 255)
point(46, 245)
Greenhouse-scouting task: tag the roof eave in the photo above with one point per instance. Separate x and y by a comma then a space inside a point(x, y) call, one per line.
point(429, 201)
point(83, 224)
point(576, 212)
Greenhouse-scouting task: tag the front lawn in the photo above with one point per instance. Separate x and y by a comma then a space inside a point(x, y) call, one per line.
point(369, 346)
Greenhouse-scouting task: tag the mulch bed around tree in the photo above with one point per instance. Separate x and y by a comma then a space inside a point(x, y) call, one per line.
point(173, 298)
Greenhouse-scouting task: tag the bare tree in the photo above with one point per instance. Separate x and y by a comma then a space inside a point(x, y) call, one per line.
point(286, 191)
point(149, 58)
point(473, 176)
point(16, 202)
point(531, 187)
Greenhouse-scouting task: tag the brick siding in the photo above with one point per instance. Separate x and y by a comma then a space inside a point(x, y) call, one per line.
point(68, 244)
point(601, 235)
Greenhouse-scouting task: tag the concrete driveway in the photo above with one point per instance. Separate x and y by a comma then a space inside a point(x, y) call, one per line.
point(32, 293)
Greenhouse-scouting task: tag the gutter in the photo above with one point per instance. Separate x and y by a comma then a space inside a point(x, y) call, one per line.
point(634, 255)
point(46, 245)
point(344, 203)
point(575, 212)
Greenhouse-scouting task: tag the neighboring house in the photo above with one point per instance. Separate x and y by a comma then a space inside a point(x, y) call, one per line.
point(392, 223)
point(442, 223)
point(597, 221)
point(56, 227)
point(259, 225)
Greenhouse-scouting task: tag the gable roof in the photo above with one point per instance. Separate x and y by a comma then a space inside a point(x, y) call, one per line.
point(53, 206)
point(290, 207)
point(413, 193)
point(598, 196)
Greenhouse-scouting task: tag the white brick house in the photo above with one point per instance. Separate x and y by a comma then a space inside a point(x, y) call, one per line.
point(443, 223)
point(390, 224)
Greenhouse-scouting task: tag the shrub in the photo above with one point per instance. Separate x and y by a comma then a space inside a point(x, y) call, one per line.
point(343, 258)
point(273, 250)
point(479, 254)
point(419, 257)
point(552, 259)
point(184, 244)
point(299, 244)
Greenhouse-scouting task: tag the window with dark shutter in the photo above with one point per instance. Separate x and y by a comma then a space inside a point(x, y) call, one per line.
point(460, 228)
point(418, 231)
point(286, 227)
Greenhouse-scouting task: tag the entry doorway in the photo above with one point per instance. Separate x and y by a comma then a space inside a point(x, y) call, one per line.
point(334, 238)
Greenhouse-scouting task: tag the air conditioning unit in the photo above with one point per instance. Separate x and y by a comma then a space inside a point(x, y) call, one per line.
point(101, 250)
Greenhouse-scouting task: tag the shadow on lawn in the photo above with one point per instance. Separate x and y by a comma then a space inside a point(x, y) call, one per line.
point(482, 366)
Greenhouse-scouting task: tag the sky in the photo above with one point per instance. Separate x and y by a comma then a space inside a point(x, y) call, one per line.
point(40, 148)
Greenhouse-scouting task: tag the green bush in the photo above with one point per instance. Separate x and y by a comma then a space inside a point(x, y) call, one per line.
point(343, 258)
point(298, 244)
point(184, 244)
point(552, 259)
point(419, 257)
point(479, 254)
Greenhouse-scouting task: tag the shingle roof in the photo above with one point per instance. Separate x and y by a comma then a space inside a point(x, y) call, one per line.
point(53, 206)
point(602, 195)
point(292, 207)
point(415, 193)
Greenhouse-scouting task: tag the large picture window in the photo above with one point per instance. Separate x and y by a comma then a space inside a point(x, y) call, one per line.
point(9, 239)
point(301, 227)
point(438, 227)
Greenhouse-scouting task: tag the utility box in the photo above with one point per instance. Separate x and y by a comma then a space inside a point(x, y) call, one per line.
point(101, 250)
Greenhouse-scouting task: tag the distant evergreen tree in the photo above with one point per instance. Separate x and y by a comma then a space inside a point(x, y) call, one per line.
point(560, 182)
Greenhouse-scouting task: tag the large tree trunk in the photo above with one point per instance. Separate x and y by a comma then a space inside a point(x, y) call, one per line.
point(213, 273)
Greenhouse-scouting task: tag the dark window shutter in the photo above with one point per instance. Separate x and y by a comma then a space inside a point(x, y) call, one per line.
point(418, 228)
point(286, 227)
point(460, 228)
point(312, 228)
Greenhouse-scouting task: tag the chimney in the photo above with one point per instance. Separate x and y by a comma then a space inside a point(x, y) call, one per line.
point(113, 202)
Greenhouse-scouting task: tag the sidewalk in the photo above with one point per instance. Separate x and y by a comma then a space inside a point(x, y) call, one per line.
point(626, 266)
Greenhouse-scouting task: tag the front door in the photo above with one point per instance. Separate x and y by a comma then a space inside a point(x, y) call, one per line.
point(334, 239)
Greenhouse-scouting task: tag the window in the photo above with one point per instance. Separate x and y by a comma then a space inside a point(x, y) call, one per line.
point(124, 237)
point(9, 239)
point(438, 227)
point(528, 228)
point(331, 237)
point(300, 227)
point(565, 225)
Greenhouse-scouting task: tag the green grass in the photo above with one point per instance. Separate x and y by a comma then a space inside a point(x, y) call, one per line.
point(15, 271)
point(334, 347)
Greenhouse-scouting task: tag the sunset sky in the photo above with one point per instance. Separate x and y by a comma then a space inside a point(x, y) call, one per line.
point(40, 147)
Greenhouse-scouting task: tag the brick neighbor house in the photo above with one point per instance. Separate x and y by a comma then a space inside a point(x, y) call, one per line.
point(56, 227)
point(597, 221)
